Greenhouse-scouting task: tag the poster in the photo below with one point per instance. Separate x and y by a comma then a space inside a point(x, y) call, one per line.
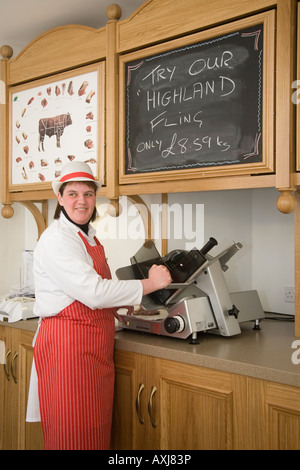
point(52, 123)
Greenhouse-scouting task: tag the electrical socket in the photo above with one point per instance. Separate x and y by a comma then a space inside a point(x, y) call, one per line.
point(289, 294)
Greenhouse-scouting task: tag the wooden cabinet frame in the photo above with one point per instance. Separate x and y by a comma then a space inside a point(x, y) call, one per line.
point(197, 408)
point(37, 141)
point(157, 22)
point(266, 84)
point(15, 432)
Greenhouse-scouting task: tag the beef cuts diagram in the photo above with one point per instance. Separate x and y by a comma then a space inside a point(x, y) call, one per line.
point(54, 123)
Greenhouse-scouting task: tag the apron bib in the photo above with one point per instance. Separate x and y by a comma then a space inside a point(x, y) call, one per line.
point(73, 355)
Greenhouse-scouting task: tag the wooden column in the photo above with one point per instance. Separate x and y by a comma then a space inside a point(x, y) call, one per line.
point(297, 212)
point(289, 200)
point(113, 12)
point(164, 224)
point(6, 52)
point(297, 266)
point(285, 109)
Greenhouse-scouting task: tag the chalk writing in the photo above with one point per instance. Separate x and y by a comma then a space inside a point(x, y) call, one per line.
point(199, 105)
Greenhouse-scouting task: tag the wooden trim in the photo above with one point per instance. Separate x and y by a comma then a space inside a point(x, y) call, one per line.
point(4, 130)
point(267, 164)
point(297, 94)
point(59, 49)
point(60, 107)
point(145, 214)
point(161, 20)
point(112, 104)
point(33, 195)
point(285, 74)
point(193, 185)
point(164, 224)
point(297, 265)
point(40, 217)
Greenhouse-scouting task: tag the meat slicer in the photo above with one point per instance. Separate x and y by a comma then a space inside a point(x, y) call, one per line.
point(196, 301)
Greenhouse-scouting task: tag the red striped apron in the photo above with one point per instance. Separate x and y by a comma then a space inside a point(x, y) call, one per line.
point(73, 355)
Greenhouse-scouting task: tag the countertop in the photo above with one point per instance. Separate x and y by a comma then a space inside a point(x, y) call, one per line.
point(264, 354)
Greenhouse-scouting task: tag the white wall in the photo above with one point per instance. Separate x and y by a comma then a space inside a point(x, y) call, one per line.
point(265, 263)
point(227, 218)
point(12, 233)
point(273, 251)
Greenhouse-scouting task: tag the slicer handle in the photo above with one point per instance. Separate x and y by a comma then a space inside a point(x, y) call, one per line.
point(208, 246)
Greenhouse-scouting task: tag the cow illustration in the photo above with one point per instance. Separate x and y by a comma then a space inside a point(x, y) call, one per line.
point(53, 126)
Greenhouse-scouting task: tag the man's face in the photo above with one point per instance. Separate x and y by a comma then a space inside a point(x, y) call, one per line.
point(79, 201)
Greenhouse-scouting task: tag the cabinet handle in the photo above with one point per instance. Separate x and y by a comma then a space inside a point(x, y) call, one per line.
point(138, 404)
point(12, 367)
point(4, 365)
point(153, 391)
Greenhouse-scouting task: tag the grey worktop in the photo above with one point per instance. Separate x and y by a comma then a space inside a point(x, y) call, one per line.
point(264, 354)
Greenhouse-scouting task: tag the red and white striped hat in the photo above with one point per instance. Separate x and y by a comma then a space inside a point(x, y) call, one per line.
point(74, 171)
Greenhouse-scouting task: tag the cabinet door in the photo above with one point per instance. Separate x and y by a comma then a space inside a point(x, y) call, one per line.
point(30, 435)
point(186, 407)
point(283, 416)
point(15, 433)
point(11, 396)
point(2, 385)
point(136, 422)
point(196, 408)
point(128, 426)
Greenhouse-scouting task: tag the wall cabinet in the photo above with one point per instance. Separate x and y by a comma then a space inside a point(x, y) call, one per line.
point(15, 433)
point(161, 404)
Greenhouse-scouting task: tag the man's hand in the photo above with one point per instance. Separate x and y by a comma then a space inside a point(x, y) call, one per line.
point(158, 278)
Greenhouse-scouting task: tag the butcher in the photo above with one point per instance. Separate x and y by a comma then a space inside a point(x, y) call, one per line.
point(72, 379)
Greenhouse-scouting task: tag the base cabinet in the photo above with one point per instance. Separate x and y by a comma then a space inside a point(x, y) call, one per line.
point(15, 432)
point(282, 411)
point(131, 428)
point(191, 405)
point(162, 404)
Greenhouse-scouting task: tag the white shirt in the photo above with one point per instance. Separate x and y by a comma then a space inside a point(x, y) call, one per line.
point(63, 272)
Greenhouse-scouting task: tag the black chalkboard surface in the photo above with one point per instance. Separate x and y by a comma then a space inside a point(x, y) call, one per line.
point(196, 106)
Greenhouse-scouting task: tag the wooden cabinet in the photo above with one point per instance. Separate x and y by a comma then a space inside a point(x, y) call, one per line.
point(162, 404)
point(198, 408)
point(132, 427)
point(15, 433)
point(277, 406)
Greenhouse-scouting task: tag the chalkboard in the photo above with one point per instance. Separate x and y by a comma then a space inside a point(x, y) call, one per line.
point(196, 106)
